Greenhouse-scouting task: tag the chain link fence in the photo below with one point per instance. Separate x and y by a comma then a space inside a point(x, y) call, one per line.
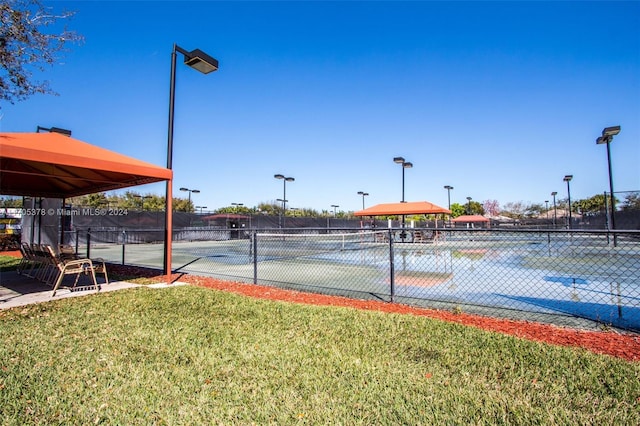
point(575, 278)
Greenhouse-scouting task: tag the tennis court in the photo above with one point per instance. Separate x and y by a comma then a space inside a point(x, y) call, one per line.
point(553, 277)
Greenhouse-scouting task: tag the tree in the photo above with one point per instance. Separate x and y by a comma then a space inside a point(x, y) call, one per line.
point(595, 204)
point(183, 205)
point(25, 46)
point(492, 207)
point(631, 201)
point(457, 210)
point(514, 210)
point(11, 202)
point(474, 207)
point(534, 210)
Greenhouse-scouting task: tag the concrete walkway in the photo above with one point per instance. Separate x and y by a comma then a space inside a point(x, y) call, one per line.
point(19, 290)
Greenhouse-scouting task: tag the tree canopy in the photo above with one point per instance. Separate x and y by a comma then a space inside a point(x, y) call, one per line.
point(27, 46)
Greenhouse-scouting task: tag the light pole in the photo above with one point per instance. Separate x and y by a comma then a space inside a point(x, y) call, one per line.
point(555, 210)
point(284, 196)
point(607, 137)
point(364, 194)
point(567, 179)
point(449, 188)
point(236, 205)
point(546, 207)
point(469, 205)
point(204, 63)
point(405, 165)
point(335, 206)
point(201, 207)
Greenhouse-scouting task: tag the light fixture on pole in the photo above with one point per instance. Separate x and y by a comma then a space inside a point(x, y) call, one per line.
point(364, 194)
point(469, 205)
point(607, 137)
point(334, 209)
point(236, 205)
point(204, 63)
point(405, 165)
point(201, 207)
point(567, 179)
point(555, 209)
point(195, 191)
point(54, 130)
point(284, 197)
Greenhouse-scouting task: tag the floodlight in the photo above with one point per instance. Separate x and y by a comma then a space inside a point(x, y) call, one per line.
point(200, 61)
point(611, 131)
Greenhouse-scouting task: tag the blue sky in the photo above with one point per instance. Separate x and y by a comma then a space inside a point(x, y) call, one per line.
point(498, 99)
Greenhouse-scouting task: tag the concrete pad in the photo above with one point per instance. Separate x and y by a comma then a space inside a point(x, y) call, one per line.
point(20, 290)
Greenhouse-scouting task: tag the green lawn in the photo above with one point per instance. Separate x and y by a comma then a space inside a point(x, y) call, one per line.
point(187, 355)
point(8, 263)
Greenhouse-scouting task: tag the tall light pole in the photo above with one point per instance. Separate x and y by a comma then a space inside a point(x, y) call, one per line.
point(546, 207)
point(364, 194)
point(567, 179)
point(335, 206)
point(284, 196)
point(449, 188)
point(236, 205)
point(469, 205)
point(607, 137)
point(204, 63)
point(405, 165)
point(201, 207)
point(555, 209)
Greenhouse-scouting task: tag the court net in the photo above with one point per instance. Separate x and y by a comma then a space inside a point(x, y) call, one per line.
point(281, 244)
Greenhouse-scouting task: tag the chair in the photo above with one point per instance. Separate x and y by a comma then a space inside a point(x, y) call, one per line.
point(75, 266)
point(43, 264)
point(66, 252)
point(27, 260)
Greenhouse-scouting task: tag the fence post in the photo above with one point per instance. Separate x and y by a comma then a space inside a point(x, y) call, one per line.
point(88, 243)
point(254, 242)
point(619, 299)
point(392, 274)
point(124, 239)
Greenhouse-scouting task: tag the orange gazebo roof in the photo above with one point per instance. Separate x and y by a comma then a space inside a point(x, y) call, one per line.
point(413, 207)
point(58, 166)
